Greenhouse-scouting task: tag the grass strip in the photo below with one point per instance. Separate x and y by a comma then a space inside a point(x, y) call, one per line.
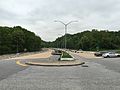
point(66, 55)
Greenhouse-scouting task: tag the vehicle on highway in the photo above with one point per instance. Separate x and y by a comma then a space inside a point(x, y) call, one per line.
point(100, 53)
point(56, 52)
point(110, 54)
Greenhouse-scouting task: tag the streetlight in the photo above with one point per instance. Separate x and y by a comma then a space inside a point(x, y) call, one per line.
point(65, 26)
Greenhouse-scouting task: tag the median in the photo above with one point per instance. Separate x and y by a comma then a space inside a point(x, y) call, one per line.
point(66, 56)
point(65, 60)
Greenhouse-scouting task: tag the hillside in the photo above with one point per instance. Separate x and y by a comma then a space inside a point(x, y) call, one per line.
point(89, 40)
point(18, 39)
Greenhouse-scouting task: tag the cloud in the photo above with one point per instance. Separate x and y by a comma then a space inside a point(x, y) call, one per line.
point(39, 15)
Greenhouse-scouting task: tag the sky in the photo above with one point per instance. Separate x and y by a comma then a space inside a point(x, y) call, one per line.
point(39, 15)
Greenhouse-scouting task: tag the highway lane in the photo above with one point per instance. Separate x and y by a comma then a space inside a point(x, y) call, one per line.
point(9, 67)
point(108, 63)
point(101, 74)
point(94, 77)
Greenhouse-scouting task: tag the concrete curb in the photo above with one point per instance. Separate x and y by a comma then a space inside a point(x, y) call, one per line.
point(53, 65)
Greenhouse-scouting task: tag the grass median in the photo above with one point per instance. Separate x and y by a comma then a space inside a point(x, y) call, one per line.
point(66, 55)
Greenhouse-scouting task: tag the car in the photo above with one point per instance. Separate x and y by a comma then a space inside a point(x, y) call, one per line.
point(110, 54)
point(100, 53)
point(56, 52)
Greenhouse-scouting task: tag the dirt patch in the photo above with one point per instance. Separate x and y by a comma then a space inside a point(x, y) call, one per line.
point(45, 53)
point(35, 56)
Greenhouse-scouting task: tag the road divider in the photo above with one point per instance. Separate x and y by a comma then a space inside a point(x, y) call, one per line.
point(58, 63)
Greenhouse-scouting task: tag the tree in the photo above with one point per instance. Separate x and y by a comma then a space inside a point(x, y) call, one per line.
point(17, 39)
point(85, 43)
point(90, 40)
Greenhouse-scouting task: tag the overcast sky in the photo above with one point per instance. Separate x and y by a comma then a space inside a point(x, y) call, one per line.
point(39, 15)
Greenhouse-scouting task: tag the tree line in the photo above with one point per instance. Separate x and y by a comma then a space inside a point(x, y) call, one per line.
point(17, 39)
point(89, 40)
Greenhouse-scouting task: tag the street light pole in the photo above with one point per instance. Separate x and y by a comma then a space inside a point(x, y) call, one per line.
point(65, 36)
point(65, 27)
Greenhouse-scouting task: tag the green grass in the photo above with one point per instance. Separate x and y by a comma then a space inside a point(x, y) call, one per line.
point(66, 55)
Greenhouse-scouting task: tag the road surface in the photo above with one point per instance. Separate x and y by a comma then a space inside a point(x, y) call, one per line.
point(108, 63)
point(9, 67)
point(101, 74)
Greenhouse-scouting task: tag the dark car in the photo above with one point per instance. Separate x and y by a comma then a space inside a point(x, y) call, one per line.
point(100, 53)
point(56, 52)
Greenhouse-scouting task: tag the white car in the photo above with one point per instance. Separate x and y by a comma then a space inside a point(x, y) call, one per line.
point(110, 54)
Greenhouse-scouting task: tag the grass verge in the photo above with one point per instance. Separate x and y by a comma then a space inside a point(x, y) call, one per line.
point(65, 55)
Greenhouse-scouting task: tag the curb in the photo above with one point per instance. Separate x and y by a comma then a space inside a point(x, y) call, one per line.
point(31, 63)
point(21, 64)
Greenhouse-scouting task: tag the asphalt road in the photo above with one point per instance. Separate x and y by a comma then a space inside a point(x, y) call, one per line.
point(108, 63)
point(101, 74)
point(9, 67)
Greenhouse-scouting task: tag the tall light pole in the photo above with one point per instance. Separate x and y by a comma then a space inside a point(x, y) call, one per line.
point(65, 27)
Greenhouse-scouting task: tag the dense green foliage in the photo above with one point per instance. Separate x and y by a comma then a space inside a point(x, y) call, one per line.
point(89, 40)
point(18, 39)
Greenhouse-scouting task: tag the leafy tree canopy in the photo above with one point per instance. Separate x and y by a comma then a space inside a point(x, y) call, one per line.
point(18, 39)
point(89, 40)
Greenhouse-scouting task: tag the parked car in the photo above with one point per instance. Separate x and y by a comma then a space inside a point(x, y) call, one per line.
point(110, 54)
point(100, 53)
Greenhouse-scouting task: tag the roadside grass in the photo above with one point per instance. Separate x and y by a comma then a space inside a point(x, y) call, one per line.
point(66, 55)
